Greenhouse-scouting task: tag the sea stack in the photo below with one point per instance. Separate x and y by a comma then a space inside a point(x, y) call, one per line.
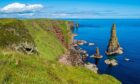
point(77, 25)
point(97, 54)
point(113, 45)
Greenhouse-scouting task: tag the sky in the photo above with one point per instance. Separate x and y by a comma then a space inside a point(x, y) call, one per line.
point(70, 9)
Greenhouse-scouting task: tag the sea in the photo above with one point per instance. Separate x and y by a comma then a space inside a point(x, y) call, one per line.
point(98, 31)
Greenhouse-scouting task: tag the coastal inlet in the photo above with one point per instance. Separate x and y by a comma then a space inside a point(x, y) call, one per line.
point(110, 38)
point(113, 49)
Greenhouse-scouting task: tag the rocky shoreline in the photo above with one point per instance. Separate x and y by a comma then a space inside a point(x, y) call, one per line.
point(75, 59)
point(76, 56)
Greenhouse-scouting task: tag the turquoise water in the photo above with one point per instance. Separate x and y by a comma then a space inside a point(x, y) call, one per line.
point(128, 32)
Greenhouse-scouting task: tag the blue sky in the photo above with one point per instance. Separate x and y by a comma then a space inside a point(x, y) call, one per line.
point(70, 8)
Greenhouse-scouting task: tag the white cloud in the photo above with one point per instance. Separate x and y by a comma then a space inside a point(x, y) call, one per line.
point(26, 14)
point(61, 14)
point(21, 8)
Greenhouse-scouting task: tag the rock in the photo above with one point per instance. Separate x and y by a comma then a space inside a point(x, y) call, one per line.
point(87, 55)
point(127, 59)
point(84, 58)
point(77, 25)
point(75, 35)
point(80, 42)
point(73, 58)
point(71, 25)
point(83, 52)
point(91, 44)
point(92, 67)
point(64, 60)
point(113, 46)
point(107, 62)
point(27, 48)
point(111, 62)
point(59, 35)
point(75, 45)
point(97, 54)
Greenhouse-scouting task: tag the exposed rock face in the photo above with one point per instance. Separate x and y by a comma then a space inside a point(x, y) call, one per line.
point(59, 34)
point(27, 48)
point(73, 59)
point(71, 25)
point(113, 46)
point(92, 67)
point(63, 36)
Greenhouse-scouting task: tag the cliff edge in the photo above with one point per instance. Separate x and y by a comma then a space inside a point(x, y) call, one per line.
point(29, 50)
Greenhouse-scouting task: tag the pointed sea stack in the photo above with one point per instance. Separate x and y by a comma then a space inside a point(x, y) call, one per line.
point(77, 25)
point(113, 46)
point(97, 54)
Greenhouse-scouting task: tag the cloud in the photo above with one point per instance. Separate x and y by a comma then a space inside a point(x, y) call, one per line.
point(61, 14)
point(17, 10)
point(80, 13)
point(21, 8)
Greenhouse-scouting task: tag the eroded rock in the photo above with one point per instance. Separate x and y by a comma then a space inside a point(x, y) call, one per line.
point(92, 67)
point(73, 58)
point(27, 48)
point(113, 46)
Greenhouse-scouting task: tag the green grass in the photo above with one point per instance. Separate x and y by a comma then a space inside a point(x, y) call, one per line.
point(13, 32)
point(35, 70)
point(48, 45)
point(19, 68)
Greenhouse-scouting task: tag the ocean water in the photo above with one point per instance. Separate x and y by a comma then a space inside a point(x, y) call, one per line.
point(128, 31)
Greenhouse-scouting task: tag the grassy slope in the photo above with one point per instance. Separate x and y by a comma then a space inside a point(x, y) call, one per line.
point(44, 69)
point(13, 32)
point(46, 42)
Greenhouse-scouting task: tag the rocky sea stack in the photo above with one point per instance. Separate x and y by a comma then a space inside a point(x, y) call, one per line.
point(97, 54)
point(113, 46)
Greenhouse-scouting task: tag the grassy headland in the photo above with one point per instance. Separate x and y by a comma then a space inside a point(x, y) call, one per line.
point(51, 39)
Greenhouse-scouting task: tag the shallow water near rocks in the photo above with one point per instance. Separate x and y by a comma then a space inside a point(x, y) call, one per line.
point(128, 31)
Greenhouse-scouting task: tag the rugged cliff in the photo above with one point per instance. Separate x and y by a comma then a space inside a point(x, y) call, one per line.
point(29, 50)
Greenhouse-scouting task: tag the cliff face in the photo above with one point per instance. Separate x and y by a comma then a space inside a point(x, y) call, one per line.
point(63, 35)
point(73, 58)
point(47, 38)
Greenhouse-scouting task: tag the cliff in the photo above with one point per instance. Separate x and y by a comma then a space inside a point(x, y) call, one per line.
point(29, 50)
